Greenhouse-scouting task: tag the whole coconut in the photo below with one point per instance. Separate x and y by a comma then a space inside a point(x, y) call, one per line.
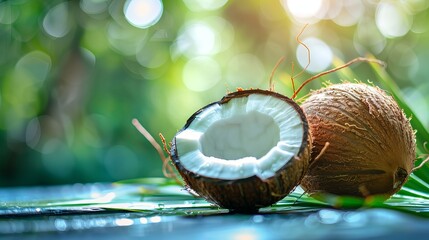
point(371, 142)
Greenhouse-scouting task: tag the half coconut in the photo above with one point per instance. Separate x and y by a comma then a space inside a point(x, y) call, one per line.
point(247, 151)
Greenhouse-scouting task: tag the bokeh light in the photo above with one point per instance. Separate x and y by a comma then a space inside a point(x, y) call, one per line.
point(304, 9)
point(153, 54)
point(35, 64)
point(321, 55)
point(33, 133)
point(342, 12)
point(201, 74)
point(420, 102)
point(246, 71)
point(404, 62)
point(8, 14)
point(20, 91)
point(94, 6)
point(391, 20)
point(367, 38)
point(206, 37)
point(56, 22)
point(143, 13)
point(197, 38)
point(123, 40)
point(350, 12)
point(206, 5)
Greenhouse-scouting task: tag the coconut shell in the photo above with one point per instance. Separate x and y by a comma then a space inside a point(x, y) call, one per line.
point(371, 142)
point(252, 193)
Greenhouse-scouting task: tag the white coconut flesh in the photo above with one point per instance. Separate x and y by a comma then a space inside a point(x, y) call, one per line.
point(244, 137)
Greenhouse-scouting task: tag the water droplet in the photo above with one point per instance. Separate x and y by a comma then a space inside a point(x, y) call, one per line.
point(188, 203)
point(355, 219)
point(60, 224)
point(143, 220)
point(258, 218)
point(155, 219)
point(329, 216)
point(124, 222)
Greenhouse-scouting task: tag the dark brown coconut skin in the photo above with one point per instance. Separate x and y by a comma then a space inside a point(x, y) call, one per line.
point(249, 194)
point(372, 144)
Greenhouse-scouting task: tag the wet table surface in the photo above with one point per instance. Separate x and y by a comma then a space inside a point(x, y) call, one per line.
point(35, 213)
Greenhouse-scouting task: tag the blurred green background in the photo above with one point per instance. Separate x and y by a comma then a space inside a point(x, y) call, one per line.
point(74, 73)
